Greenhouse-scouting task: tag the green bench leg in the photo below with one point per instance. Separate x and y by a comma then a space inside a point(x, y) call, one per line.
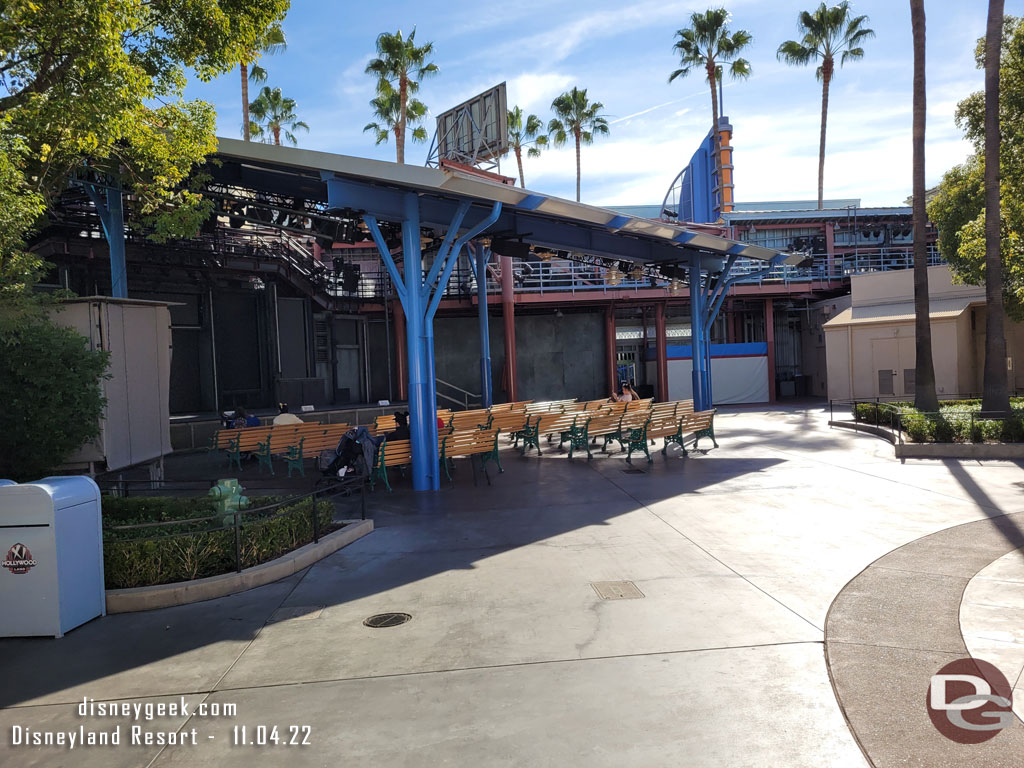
point(265, 459)
point(709, 432)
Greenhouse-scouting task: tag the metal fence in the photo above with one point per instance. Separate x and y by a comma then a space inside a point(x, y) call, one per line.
point(164, 529)
point(954, 424)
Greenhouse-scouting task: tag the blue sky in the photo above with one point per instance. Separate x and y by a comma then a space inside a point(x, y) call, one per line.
point(621, 52)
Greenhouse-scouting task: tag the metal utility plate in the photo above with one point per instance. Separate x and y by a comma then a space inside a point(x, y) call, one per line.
point(616, 590)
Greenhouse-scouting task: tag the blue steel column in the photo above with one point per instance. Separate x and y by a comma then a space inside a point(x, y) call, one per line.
point(482, 256)
point(422, 397)
point(697, 335)
point(111, 215)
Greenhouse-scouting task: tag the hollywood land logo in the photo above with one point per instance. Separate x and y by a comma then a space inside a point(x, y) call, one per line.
point(970, 701)
point(19, 560)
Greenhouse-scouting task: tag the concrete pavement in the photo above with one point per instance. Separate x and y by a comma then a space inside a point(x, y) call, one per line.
point(511, 657)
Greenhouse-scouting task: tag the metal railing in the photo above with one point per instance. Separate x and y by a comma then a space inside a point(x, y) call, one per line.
point(961, 422)
point(238, 519)
point(466, 401)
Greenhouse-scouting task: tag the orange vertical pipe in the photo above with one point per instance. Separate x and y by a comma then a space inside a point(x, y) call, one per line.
point(508, 319)
point(769, 336)
point(661, 352)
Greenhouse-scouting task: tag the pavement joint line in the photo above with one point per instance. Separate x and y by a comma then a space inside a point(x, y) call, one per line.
point(881, 477)
point(241, 653)
point(894, 647)
point(719, 560)
point(480, 668)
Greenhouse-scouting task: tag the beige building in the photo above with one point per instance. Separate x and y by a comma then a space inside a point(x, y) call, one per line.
point(870, 345)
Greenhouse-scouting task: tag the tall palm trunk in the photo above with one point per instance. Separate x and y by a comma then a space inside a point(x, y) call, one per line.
point(277, 135)
point(996, 395)
point(519, 160)
point(826, 79)
point(403, 94)
point(717, 139)
point(245, 100)
point(925, 398)
point(576, 134)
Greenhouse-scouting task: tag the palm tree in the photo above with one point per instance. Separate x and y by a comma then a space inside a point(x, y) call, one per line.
point(575, 116)
point(522, 136)
point(995, 394)
point(708, 44)
point(827, 33)
point(274, 42)
point(399, 66)
point(387, 108)
point(275, 113)
point(925, 398)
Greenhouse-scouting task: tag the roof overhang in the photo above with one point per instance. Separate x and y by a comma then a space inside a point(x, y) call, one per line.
point(901, 312)
point(378, 187)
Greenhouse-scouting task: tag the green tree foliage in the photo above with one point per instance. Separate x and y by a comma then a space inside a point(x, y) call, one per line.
point(525, 134)
point(399, 67)
point(50, 388)
point(576, 116)
point(708, 44)
point(20, 207)
point(827, 33)
point(100, 85)
point(274, 115)
point(392, 120)
point(958, 210)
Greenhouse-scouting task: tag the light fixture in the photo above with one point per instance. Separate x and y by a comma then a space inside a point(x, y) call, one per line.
point(613, 276)
point(752, 229)
point(675, 287)
point(637, 273)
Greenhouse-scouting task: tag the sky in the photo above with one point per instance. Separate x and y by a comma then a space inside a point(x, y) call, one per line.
point(621, 52)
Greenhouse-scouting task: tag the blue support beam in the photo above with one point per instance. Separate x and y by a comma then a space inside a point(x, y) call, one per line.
point(420, 296)
point(698, 336)
point(111, 213)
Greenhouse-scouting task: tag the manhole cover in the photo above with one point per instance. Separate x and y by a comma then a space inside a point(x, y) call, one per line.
point(382, 620)
point(616, 590)
point(297, 613)
point(634, 471)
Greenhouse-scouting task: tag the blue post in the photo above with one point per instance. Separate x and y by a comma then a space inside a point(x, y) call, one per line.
point(697, 334)
point(115, 241)
point(422, 396)
point(482, 255)
point(111, 215)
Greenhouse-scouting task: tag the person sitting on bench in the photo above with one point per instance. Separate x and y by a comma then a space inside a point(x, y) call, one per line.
point(401, 428)
point(284, 417)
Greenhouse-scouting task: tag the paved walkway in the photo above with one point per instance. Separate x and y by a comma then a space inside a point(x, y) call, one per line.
point(511, 657)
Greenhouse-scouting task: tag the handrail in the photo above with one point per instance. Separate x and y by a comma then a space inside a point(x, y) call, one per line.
point(466, 394)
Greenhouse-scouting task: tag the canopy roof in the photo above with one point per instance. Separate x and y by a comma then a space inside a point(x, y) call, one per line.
point(376, 187)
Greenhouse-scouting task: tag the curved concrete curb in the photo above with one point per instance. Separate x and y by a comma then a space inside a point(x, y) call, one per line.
point(895, 625)
point(854, 426)
point(960, 451)
point(183, 592)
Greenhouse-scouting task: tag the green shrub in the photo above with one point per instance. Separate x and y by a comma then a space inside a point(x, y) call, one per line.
point(145, 556)
point(51, 395)
point(917, 427)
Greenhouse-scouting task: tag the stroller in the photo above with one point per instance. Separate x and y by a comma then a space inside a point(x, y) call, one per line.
point(352, 459)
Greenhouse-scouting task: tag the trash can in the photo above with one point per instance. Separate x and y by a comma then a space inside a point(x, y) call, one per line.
point(51, 541)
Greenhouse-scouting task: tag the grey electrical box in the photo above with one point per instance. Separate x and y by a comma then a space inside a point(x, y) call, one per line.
point(51, 541)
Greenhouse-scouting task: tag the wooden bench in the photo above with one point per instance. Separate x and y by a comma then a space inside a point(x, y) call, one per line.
point(477, 442)
point(519, 405)
point(550, 424)
point(235, 442)
point(511, 423)
point(461, 421)
point(311, 443)
point(386, 422)
point(676, 429)
point(630, 432)
point(639, 405)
